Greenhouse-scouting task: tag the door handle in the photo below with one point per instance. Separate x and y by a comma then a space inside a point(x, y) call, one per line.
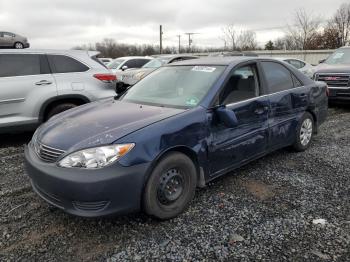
point(261, 110)
point(43, 83)
point(303, 95)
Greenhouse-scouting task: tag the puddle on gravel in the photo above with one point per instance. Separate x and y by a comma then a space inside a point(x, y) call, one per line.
point(258, 189)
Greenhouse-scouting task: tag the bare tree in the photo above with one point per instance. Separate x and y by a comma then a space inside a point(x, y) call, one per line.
point(304, 30)
point(229, 36)
point(246, 40)
point(341, 23)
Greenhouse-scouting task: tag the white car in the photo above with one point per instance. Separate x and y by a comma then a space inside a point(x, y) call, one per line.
point(117, 66)
point(301, 65)
point(105, 60)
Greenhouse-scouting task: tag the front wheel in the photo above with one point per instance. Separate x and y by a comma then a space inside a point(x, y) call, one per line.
point(171, 186)
point(304, 133)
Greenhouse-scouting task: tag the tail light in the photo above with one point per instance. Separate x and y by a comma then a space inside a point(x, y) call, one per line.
point(106, 78)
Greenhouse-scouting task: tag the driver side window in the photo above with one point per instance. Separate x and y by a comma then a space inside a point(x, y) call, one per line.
point(243, 84)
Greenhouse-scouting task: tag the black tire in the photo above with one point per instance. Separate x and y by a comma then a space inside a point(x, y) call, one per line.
point(18, 45)
point(59, 109)
point(155, 200)
point(300, 145)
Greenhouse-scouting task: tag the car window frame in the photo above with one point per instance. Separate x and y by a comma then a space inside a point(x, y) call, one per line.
point(267, 88)
point(262, 89)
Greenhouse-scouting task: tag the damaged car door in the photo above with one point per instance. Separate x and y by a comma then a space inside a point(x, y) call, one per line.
point(231, 146)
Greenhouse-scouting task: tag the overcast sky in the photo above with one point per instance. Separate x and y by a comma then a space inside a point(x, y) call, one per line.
point(64, 24)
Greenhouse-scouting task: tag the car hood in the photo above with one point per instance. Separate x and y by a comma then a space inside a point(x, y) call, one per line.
point(99, 123)
point(325, 68)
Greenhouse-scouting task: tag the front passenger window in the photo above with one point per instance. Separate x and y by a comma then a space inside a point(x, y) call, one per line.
point(242, 85)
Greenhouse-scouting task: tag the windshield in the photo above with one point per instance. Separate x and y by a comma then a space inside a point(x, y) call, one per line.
point(341, 56)
point(175, 86)
point(115, 63)
point(155, 63)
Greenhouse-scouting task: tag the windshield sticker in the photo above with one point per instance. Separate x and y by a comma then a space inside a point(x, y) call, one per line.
point(193, 101)
point(338, 55)
point(206, 69)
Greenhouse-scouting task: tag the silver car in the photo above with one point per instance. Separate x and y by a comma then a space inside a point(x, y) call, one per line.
point(37, 84)
point(301, 65)
point(9, 40)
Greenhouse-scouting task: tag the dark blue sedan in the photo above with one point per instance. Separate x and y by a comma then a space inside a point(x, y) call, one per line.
point(178, 128)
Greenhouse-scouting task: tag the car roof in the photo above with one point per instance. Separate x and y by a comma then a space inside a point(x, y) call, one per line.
point(48, 51)
point(134, 57)
point(225, 61)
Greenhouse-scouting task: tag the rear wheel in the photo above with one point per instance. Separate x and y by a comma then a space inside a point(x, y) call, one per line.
point(170, 187)
point(19, 45)
point(304, 133)
point(59, 109)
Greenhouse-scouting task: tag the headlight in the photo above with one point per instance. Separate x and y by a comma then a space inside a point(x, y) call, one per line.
point(97, 157)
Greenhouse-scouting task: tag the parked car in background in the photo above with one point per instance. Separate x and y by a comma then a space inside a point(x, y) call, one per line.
point(130, 77)
point(301, 65)
point(117, 66)
point(235, 53)
point(37, 84)
point(180, 127)
point(335, 71)
point(105, 60)
point(11, 40)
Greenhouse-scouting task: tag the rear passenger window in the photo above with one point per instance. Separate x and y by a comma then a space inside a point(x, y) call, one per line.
point(278, 77)
point(19, 65)
point(65, 64)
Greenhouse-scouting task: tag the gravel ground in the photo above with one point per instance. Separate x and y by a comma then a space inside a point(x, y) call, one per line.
point(285, 207)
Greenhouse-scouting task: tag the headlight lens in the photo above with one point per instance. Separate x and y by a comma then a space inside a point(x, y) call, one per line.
point(97, 157)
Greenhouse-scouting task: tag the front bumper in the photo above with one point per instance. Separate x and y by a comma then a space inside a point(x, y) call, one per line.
point(339, 94)
point(26, 45)
point(112, 190)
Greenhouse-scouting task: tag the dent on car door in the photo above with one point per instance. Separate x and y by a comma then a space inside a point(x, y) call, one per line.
point(231, 147)
point(288, 99)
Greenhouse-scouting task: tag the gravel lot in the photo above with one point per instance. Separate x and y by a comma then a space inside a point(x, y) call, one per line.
point(270, 210)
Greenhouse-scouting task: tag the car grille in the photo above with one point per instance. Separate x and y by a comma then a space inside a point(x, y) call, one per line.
point(46, 153)
point(334, 80)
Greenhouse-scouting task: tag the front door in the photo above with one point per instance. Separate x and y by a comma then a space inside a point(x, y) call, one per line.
point(231, 147)
point(23, 81)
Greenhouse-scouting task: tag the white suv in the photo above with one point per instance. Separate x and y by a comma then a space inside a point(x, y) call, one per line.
point(37, 84)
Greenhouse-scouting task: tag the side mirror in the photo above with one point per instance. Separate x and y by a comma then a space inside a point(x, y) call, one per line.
point(124, 68)
point(227, 116)
point(322, 61)
point(120, 88)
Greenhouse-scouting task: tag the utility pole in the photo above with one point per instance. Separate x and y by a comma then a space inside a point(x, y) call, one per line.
point(190, 40)
point(160, 39)
point(179, 36)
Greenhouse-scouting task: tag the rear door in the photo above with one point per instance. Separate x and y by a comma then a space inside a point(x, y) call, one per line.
point(231, 147)
point(24, 80)
point(69, 73)
point(288, 99)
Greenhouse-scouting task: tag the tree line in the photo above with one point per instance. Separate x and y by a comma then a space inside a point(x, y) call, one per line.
point(308, 32)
